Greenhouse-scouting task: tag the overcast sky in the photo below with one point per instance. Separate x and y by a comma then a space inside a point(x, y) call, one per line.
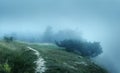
point(97, 20)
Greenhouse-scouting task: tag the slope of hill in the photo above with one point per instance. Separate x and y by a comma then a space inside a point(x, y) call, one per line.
point(20, 57)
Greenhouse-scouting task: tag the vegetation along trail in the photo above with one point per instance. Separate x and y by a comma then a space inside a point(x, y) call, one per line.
point(40, 62)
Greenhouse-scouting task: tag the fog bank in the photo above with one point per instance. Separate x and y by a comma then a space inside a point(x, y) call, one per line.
point(93, 20)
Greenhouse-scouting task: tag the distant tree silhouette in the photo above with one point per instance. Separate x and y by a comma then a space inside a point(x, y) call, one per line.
point(48, 35)
point(8, 39)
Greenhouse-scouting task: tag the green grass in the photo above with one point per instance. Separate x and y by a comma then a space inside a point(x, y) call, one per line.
point(19, 60)
point(16, 58)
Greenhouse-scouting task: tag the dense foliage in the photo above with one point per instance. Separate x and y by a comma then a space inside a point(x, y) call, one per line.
point(84, 48)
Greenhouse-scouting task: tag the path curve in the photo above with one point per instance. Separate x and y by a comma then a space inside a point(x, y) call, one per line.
point(40, 62)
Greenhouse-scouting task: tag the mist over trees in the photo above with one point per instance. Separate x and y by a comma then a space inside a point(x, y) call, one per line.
point(50, 36)
point(72, 42)
point(8, 39)
point(69, 39)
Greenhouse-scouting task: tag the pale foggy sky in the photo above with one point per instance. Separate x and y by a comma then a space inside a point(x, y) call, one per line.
point(98, 20)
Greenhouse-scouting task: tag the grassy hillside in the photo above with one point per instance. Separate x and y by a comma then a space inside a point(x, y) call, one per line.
point(16, 57)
